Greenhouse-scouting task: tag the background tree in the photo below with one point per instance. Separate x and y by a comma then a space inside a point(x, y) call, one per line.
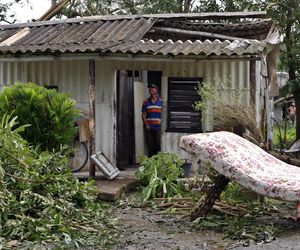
point(132, 7)
point(5, 15)
point(287, 15)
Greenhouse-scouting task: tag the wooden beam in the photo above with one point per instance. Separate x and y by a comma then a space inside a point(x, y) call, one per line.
point(54, 10)
point(212, 15)
point(192, 16)
point(197, 33)
point(253, 81)
point(92, 117)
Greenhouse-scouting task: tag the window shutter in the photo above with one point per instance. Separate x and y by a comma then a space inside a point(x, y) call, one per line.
point(182, 95)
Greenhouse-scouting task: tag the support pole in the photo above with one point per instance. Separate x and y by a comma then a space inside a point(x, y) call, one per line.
point(203, 208)
point(92, 117)
point(253, 82)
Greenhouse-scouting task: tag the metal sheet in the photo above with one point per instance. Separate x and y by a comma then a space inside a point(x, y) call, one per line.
point(137, 34)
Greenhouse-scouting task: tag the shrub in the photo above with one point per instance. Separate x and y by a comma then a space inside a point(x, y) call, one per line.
point(159, 175)
point(42, 203)
point(49, 113)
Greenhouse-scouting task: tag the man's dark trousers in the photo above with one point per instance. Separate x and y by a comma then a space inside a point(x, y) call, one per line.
point(152, 141)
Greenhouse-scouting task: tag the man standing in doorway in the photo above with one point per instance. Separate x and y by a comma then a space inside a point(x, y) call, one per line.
point(151, 115)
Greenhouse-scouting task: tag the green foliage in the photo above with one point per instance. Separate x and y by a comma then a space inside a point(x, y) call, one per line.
point(42, 203)
point(159, 175)
point(232, 193)
point(121, 7)
point(49, 113)
point(290, 135)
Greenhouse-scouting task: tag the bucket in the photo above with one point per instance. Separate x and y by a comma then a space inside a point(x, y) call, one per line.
point(187, 166)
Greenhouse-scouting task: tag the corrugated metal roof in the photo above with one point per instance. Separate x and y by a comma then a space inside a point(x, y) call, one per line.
point(207, 47)
point(147, 35)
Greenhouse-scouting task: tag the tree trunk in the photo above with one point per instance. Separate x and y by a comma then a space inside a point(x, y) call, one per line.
point(53, 2)
point(289, 41)
point(213, 194)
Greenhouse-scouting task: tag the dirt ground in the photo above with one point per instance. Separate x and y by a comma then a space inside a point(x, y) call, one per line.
point(143, 228)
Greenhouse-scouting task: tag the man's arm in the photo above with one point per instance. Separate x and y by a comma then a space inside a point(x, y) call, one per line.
point(144, 120)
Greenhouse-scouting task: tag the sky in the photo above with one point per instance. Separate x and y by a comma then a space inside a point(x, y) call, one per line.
point(32, 10)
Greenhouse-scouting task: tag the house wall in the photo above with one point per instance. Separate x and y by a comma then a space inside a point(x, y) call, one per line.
point(236, 72)
point(72, 77)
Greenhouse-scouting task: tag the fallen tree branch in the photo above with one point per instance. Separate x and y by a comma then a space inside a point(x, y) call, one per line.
point(173, 199)
point(221, 210)
point(204, 207)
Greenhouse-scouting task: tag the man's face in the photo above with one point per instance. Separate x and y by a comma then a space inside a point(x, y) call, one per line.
point(152, 91)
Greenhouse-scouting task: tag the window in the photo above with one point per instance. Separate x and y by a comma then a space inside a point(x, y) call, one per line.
point(182, 94)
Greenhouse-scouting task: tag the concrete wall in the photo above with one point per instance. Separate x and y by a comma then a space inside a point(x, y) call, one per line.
point(72, 77)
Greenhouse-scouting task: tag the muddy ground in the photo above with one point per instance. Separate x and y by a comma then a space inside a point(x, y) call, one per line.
point(143, 228)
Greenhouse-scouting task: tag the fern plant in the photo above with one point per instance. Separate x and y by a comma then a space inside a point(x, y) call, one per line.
point(50, 114)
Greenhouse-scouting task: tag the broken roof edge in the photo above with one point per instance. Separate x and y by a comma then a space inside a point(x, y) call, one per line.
point(195, 16)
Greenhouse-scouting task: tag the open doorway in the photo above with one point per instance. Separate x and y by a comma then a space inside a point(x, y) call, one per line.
point(131, 91)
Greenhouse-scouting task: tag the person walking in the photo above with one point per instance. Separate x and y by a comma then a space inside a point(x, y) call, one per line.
point(151, 116)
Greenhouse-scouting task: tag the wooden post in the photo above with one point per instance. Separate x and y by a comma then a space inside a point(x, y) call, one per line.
point(253, 82)
point(92, 117)
point(204, 207)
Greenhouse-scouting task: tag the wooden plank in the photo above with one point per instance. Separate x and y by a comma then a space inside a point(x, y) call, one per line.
point(123, 131)
point(92, 117)
point(54, 10)
point(198, 34)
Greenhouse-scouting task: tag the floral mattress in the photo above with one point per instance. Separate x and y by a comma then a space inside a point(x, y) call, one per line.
point(245, 163)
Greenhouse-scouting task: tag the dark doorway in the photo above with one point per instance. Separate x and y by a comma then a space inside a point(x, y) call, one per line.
point(125, 113)
point(155, 78)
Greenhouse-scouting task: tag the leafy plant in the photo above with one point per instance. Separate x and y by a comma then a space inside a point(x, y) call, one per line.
point(232, 193)
point(159, 175)
point(244, 229)
point(42, 203)
point(290, 135)
point(50, 114)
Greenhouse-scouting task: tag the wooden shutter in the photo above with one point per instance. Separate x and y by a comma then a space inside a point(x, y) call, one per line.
point(182, 95)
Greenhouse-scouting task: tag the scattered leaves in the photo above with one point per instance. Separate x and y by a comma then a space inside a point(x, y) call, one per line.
point(41, 202)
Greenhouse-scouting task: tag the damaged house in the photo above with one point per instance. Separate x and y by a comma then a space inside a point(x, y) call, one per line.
point(105, 62)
